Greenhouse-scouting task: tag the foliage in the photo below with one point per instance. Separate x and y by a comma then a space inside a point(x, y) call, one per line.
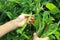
point(46, 14)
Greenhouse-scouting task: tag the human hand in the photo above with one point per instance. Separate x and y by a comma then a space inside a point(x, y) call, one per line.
point(22, 19)
point(37, 38)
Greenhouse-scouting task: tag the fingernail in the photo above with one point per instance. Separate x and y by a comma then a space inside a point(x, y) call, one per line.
point(32, 21)
point(26, 16)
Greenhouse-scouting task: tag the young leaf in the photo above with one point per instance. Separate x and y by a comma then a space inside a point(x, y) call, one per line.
point(37, 9)
point(45, 15)
point(52, 8)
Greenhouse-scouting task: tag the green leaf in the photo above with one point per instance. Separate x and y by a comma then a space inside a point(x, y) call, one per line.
point(37, 9)
point(50, 30)
point(40, 26)
point(37, 20)
point(50, 19)
point(45, 15)
point(57, 34)
point(10, 15)
point(47, 18)
point(52, 8)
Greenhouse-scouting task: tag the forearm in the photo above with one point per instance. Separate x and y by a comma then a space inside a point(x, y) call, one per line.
point(13, 24)
point(7, 27)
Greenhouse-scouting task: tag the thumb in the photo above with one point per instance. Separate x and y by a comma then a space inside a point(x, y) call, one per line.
point(47, 38)
point(35, 36)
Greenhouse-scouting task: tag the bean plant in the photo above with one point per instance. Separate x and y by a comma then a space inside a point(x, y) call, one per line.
point(46, 16)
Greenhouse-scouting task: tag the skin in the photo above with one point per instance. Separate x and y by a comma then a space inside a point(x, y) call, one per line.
point(37, 38)
point(18, 22)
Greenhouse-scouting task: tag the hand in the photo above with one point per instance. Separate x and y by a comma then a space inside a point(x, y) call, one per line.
point(22, 19)
point(37, 38)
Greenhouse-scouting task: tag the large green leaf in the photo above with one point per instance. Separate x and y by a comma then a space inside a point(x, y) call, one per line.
point(50, 30)
point(47, 18)
point(52, 8)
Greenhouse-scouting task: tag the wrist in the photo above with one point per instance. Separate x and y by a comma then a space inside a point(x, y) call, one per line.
point(14, 22)
point(17, 21)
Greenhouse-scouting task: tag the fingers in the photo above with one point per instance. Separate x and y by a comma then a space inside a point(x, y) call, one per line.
point(35, 36)
point(31, 20)
point(47, 38)
point(25, 16)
